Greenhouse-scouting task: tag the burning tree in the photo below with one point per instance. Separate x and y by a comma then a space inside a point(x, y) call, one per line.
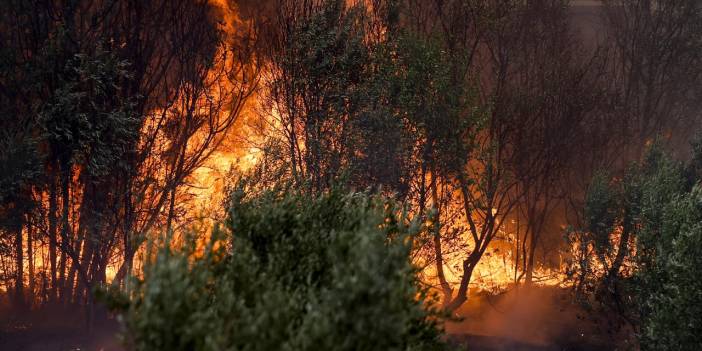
point(117, 103)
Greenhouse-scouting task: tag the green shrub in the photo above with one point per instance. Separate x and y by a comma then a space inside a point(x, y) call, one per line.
point(288, 272)
point(669, 286)
point(662, 210)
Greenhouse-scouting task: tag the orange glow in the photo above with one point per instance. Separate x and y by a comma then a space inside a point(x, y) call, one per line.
point(495, 272)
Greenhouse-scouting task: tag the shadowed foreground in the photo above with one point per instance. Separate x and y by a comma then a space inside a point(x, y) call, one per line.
point(55, 330)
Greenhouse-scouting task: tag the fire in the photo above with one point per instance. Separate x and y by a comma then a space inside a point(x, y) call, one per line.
point(496, 272)
point(208, 184)
point(237, 151)
point(233, 152)
point(205, 186)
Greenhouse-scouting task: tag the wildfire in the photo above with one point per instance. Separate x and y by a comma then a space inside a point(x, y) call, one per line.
point(496, 272)
point(236, 152)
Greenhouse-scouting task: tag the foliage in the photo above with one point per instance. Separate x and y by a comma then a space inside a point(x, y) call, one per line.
point(669, 250)
point(362, 107)
point(19, 169)
point(316, 83)
point(295, 273)
point(658, 207)
point(669, 287)
point(85, 120)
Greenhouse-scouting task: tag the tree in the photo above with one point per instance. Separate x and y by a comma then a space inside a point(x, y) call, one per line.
point(87, 126)
point(20, 168)
point(668, 286)
point(330, 92)
point(640, 250)
point(655, 71)
point(121, 101)
point(546, 88)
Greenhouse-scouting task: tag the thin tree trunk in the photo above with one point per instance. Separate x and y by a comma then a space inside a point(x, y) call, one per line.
point(530, 262)
point(86, 258)
point(69, 290)
point(19, 263)
point(529, 268)
point(52, 239)
point(171, 212)
point(62, 275)
point(129, 250)
point(80, 249)
point(471, 261)
point(537, 225)
point(30, 260)
point(613, 272)
point(65, 226)
point(462, 294)
point(517, 251)
point(445, 287)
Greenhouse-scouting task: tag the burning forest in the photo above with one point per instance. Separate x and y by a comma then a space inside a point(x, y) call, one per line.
point(350, 175)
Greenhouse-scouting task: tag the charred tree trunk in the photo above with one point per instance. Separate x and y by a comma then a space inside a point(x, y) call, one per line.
point(536, 226)
point(52, 239)
point(19, 263)
point(536, 223)
point(30, 263)
point(66, 178)
point(610, 280)
point(171, 212)
point(530, 261)
point(85, 258)
point(436, 227)
point(129, 250)
point(462, 294)
point(60, 286)
point(621, 254)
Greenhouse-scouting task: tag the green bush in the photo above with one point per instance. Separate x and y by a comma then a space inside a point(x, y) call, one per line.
point(669, 284)
point(288, 272)
point(662, 210)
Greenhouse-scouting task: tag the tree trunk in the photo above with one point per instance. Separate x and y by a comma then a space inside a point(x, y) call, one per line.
point(71, 291)
point(30, 260)
point(62, 275)
point(85, 258)
point(445, 287)
point(536, 220)
point(52, 239)
point(613, 272)
point(19, 263)
point(171, 212)
point(462, 295)
point(65, 226)
point(125, 269)
point(129, 250)
point(534, 230)
point(530, 261)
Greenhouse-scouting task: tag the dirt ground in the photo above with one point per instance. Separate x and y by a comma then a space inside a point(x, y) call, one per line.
point(55, 329)
point(539, 319)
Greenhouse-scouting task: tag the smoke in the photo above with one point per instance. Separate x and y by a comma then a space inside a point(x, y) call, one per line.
point(538, 317)
point(255, 9)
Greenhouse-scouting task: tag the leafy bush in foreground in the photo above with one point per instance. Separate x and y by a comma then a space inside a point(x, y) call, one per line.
point(669, 285)
point(659, 204)
point(296, 273)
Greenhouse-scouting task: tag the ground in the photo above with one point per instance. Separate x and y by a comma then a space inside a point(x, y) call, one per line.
point(55, 329)
point(538, 319)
